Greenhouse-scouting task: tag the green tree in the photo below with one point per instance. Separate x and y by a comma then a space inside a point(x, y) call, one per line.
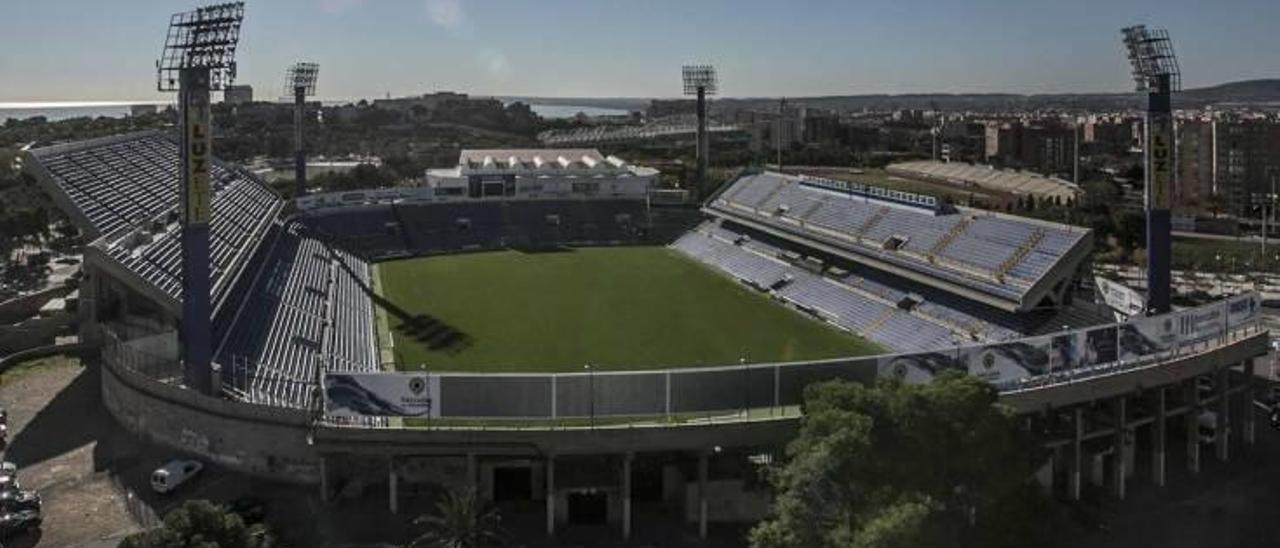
point(201, 524)
point(459, 520)
point(937, 464)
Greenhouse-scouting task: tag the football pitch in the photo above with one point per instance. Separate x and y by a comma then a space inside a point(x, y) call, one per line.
point(617, 308)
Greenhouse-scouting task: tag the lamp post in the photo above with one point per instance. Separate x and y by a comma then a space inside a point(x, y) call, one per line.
point(591, 383)
point(198, 57)
point(300, 81)
point(746, 387)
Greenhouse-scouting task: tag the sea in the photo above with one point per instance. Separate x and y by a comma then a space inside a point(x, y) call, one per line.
point(54, 111)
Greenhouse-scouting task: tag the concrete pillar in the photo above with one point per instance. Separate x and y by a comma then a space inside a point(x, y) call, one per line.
point(473, 474)
point(1247, 413)
point(1158, 438)
point(626, 496)
point(702, 496)
point(1121, 447)
point(1222, 430)
point(324, 479)
point(392, 490)
point(1192, 421)
point(1076, 465)
point(551, 495)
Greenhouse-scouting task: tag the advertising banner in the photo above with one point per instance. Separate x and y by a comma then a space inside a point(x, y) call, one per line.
point(197, 141)
point(1100, 346)
point(1003, 362)
point(918, 368)
point(1146, 336)
point(1123, 299)
point(1160, 160)
point(1243, 309)
point(1202, 323)
point(382, 394)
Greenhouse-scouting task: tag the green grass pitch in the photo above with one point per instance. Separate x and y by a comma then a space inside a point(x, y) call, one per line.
point(617, 307)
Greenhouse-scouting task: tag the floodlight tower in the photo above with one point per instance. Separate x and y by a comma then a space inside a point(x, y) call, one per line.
point(700, 80)
point(198, 56)
point(1155, 71)
point(301, 81)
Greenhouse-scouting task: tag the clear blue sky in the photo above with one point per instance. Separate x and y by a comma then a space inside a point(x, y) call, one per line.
point(104, 49)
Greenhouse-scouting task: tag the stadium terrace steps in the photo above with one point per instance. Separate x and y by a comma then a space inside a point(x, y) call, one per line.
point(859, 305)
point(307, 311)
point(123, 191)
point(990, 253)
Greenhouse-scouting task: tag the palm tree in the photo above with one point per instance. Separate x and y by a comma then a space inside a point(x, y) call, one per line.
point(459, 520)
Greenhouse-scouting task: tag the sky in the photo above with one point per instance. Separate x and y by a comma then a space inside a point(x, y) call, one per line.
point(80, 50)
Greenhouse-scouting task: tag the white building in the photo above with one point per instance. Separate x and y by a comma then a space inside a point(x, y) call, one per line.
point(541, 173)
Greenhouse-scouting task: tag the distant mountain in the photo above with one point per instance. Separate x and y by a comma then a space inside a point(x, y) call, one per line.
point(1264, 93)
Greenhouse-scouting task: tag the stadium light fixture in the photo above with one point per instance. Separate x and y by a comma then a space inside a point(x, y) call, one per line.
point(301, 76)
point(1151, 57)
point(1155, 71)
point(198, 56)
point(700, 77)
point(700, 81)
point(300, 82)
point(204, 38)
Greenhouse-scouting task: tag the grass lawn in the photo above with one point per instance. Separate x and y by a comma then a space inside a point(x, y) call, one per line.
point(618, 308)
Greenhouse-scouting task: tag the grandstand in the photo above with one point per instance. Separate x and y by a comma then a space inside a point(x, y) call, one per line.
point(1007, 262)
point(286, 303)
point(965, 175)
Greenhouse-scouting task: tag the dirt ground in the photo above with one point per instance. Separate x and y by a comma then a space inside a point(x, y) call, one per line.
point(64, 443)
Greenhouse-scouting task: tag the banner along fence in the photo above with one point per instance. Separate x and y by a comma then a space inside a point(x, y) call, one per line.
point(1008, 365)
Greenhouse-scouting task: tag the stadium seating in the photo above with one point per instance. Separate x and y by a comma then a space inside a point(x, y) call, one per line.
point(1017, 182)
point(994, 254)
point(307, 310)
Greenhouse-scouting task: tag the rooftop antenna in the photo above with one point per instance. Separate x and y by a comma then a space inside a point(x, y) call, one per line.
point(198, 56)
point(700, 80)
point(300, 80)
point(1155, 71)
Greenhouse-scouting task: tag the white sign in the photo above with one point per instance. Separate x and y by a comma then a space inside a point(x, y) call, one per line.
point(382, 394)
point(1125, 300)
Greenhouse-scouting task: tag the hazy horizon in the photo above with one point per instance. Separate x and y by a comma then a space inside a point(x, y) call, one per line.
point(579, 49)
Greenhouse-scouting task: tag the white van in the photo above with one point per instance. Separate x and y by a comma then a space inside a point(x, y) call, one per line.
point(174, 473)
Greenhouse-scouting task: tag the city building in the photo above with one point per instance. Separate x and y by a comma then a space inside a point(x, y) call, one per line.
point(541, 173)
point(241, 94)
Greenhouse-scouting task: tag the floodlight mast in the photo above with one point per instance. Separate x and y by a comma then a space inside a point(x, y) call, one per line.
point(198, 56)
point(700, 80)
point(1156, 71)
point(301, 81)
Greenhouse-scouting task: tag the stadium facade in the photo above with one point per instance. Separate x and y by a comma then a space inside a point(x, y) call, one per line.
point(941, 287)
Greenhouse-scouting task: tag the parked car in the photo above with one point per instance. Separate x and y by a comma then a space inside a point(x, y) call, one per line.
point(9, 482)
point(13, 524)
point(18, 499)
point(7, 467)
point(174, 473)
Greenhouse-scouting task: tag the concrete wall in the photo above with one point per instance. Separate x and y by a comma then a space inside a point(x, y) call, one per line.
point(34, 332)
point(20, 308)
point(263, 441)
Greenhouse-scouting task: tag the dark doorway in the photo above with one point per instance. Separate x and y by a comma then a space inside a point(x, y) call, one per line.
point(588, 508)
point(512, 484)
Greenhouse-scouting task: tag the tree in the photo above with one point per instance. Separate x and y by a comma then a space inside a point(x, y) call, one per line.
point(201, 524)
point(937, 464)
point(459, 520)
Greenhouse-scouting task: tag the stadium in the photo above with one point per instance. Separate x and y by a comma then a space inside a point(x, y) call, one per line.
point(571, 341)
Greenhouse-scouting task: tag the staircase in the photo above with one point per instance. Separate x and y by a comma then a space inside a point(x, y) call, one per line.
point(872, 222)
point(1018, 254)
point(956, 231)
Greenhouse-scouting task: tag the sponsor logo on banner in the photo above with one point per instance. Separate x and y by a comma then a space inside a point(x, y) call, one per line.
point(199, 139)
point(918, 368)
point(1120, 297)
point(1160, 160)
point(1243, 309)
point(1004, 362)
point(1201, 323)
point(382, 395)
